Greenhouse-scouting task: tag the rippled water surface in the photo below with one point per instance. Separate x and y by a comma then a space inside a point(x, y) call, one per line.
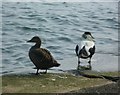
point(59, 25)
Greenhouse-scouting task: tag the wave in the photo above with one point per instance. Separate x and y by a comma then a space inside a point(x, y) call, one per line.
point(26, 17)
point(41, 19)
point(25, 8)
point(60, 21)
point(31, 28)
point(53, 47)
point(113, 20)
point(8, 15)
point(64, 39)
point(51, 4)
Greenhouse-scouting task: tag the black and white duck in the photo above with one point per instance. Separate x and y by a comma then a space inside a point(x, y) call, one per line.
point(87, 48)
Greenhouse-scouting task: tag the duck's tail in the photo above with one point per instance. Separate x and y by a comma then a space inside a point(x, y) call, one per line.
point(56, 64)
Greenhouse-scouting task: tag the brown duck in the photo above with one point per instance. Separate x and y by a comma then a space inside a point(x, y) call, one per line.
point(41, 57)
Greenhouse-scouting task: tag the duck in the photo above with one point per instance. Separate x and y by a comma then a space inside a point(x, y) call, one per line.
point(41, 57)
point(86, 49)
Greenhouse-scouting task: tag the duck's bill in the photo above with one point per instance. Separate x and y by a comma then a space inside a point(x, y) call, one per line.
point(29, 41)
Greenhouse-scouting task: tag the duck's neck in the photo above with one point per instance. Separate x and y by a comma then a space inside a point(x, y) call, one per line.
point(37, 45)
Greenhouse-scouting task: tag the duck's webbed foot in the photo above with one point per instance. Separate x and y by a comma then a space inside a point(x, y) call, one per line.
point(37, 72)
point(78, 67)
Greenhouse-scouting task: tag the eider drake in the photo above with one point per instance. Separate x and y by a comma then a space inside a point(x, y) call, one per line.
point(87, 48)
point(41, 57)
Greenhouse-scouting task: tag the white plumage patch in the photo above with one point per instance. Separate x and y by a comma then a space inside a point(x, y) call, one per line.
point(88, 44)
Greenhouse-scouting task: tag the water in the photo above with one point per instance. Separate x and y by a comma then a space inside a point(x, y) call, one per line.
point(59, 25)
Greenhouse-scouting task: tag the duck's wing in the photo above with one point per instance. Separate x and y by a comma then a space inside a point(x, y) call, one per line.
point(44, 55)
point(92, 50)
point(83, 53)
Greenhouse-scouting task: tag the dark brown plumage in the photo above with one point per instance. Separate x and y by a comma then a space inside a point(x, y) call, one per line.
point(41, 57)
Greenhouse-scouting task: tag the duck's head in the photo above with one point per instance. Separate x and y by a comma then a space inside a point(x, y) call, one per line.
point(88, 36)
point(35, 39)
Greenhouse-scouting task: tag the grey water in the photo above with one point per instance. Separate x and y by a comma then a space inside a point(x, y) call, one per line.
point(60, 26)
